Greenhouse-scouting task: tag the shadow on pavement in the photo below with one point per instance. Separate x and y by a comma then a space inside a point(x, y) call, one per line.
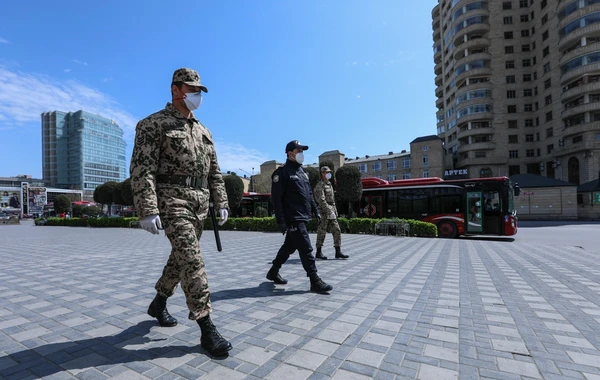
point(264, 289)
point(53, 358)
point(489, 238)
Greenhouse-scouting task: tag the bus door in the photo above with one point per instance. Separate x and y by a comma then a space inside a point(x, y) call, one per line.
point(474, 212)
point(370, 206)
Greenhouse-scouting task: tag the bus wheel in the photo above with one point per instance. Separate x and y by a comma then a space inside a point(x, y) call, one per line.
point(446, 230)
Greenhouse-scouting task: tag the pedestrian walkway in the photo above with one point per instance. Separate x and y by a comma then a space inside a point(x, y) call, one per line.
point(73, 305)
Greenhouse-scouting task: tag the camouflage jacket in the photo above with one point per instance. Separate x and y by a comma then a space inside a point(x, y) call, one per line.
point(325, 198)
point(168, 143)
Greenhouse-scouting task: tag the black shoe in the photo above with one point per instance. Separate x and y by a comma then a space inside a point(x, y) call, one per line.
point(319, 254)
point(319, 286)
point(158, 310)
point(211, 340)
point(339, 254)
point(273, 275)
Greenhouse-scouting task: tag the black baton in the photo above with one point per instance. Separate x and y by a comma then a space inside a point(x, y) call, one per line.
point(211, 209)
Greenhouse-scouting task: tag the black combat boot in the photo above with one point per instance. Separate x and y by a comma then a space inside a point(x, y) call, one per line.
point(320, 255)
point(158, 310)
point(319, 286)
point(211, 340)
point(273, 275)
point(339, 254)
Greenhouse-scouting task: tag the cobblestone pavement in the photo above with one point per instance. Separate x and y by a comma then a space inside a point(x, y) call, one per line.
point(73, 305)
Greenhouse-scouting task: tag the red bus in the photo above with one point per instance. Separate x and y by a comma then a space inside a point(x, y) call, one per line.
point(476, 206)
point(251, 201)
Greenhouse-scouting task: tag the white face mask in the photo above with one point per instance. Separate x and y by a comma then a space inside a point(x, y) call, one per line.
point(193, 100)
point(300, 158)
point(328, 175)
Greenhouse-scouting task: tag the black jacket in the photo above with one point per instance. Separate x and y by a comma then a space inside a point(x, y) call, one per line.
point(291, 194)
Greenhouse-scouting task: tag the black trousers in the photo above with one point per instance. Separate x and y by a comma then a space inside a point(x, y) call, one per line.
point(296, 238)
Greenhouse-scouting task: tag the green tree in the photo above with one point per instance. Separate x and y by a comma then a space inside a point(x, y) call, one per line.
point(117, 191)
point(234, 186)
point(78, 211)
point(348, 185)
point(127, 193)
point(104, 194)
point(92, 211)
point(62, 203)
point(313, 176)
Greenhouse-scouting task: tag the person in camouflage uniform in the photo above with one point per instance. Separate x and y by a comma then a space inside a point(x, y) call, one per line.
point(325, 198)
point(174, 171)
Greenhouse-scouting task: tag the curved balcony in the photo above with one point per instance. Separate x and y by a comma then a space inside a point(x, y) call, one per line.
point(590, 30)
point(435, 12)
point(482, 28)
point(571, 75)
point(474, 132)
point(477, 146)
point(475, 117)
point(469, 14)
point(574, 92)
point(476, 86)
point(459, 51)
point(439, 103)
point(581, 128)
point(578, 14)
point(472, 102)
point(587, 107)
point(439, 91)
point(439, 80)
point(473, 57)
point(437, 57)
point(582, 50)
point(481, 161)
point(438, 68)
point(472, 73)
point(576, 148)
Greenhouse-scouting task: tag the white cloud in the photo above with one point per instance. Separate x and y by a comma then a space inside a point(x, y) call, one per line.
point(67, 70)
point(80, 62)
point(105, 80)
point(357, 96)
point(233, 157)
point(4, 41)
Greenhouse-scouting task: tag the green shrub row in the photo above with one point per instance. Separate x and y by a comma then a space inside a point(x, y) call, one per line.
point(267, 224)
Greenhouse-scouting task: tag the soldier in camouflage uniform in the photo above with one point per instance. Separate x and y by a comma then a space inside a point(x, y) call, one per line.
point(325, 198)
point(174, 171)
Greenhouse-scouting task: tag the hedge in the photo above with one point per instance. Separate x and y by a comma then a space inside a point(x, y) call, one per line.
point(267, 224)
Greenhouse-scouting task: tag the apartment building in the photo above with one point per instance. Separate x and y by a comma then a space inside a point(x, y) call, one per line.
point(518, 86)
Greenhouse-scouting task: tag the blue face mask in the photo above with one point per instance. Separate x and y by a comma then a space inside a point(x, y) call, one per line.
point(328, 175)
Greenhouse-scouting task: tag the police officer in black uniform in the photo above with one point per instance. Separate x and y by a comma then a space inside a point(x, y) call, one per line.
point(294, 205)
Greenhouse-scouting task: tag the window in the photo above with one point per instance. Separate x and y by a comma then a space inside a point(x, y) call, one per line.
point(514, 169)
point(525, 33)
point(512, 109)
point(510, 79)
point(508, 35)
point(537, 136)
point(406, 163)
point(406, 176)
point(526, 77)
point(549, 148)
point(425, 160)
point(391, 177)
point(548, 100)
point(529, 122)
point(528, 107)
point(513, 153)
point(577, 139)
point(391, 165)
point(548, 116)
point(425, 173)
point(513, 139)
point(510, 64)
point(524, 18)
point(544, 18)
point(530, 153)
point(376, 166)
point(523, 4)
point(362, 168)
point(512, 124)
point(546, 51)
point(480, 155)
point(534, 59)
point(529, 137)
point(509, 49)
point(526, 62)
point(511, 94)
point(549, 132)
point(547, 84)
point(543, 4)
point(507, 5)
point(535, 78)
point(527, 92)
point(508, 20)
point(525, 47)
point(547, 67)
point(545, 35)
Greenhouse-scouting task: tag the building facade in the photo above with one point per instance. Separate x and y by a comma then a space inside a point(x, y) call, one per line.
point(81, 150)
point(518, 87)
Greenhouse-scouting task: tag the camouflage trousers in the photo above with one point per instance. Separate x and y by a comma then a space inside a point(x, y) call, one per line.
point(186, 265)
point(331, 225)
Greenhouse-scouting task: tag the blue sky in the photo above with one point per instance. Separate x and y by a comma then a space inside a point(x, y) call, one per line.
point(351, 75)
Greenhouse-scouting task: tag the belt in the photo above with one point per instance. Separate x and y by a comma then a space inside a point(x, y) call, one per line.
point(183, 180)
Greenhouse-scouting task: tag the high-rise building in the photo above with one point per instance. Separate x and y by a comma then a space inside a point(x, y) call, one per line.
point(81, 150)
point(518, 86)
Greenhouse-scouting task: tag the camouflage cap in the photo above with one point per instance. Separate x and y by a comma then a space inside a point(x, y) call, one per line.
point(189, 77)
point(325, 169)
point(293, 145)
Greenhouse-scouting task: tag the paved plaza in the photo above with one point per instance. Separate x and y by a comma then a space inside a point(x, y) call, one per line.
point(73, 305)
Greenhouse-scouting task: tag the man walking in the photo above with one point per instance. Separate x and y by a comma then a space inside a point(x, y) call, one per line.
point(326, 200)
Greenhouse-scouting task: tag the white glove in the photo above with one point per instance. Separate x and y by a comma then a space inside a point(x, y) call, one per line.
point(151, 223)
point(224, 215)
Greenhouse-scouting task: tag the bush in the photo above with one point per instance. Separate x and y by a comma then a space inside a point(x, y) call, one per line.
point(261, 212)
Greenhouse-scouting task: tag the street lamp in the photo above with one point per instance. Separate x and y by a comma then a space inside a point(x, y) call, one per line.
point(251, 179)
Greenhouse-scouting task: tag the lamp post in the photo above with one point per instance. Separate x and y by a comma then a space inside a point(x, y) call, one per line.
point(251, 179)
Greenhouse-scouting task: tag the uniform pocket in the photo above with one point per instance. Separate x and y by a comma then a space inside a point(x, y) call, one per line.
point(176, 142)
